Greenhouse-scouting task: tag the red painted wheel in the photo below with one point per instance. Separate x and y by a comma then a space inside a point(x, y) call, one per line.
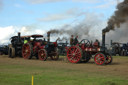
point(42, 54)
point(74, 54)
point(27, 51)
point(55, 56)
point(108, 59)
point(99, 59)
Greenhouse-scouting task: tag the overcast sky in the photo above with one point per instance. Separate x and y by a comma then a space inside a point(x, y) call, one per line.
point(39, 16)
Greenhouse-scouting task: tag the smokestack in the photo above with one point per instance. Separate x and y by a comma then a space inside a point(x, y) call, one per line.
point(19, 37)
point(111, 42)
point(103, 38)
point(48, 36)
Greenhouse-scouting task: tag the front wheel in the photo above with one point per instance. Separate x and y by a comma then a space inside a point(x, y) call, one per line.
point(42, 54)
point(100, 59)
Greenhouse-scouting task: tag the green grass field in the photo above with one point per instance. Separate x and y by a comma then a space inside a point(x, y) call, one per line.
point(19, 72)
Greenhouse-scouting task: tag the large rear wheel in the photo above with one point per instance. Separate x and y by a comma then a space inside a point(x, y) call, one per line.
point(27, 51)
point(74, 54)
point(11, 52)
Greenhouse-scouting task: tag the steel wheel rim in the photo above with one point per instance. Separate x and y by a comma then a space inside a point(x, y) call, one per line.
point(74, 54)
point(99, 59)
point(42, 55)
point(108, 59)
point(26, 51)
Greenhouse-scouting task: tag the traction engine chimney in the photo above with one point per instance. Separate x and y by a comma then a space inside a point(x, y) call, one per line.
point(19, 39)
point(103, 39)
point(48, 36)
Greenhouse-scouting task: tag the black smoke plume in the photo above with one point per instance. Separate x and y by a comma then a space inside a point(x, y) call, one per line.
point(120, 16)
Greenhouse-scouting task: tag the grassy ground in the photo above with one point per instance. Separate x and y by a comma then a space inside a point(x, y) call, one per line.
point(18, 71)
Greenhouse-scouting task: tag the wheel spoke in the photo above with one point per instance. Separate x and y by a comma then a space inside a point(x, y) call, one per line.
point(74, 54)
point(108, 59)
point(26, 51)
point(99, 59)
point(42, 55)
point(76, 50)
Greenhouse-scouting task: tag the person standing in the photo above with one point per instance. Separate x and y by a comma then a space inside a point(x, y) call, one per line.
point(71, 40)
point(76, 40)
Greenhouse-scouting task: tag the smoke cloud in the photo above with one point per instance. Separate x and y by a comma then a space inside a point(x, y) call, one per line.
point(118, 35)
point(88, 28)
point(120, 16)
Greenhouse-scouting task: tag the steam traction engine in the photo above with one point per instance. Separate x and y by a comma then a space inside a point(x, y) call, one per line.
point(61, 46)
point(118, 48)
point(40, 48)
point(83, 52)
point(14, 49)
point(3, 49)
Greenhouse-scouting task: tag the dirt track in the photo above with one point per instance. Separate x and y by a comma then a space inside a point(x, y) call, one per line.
point(119, 67)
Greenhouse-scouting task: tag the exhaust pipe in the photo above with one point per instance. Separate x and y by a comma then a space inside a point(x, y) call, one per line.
point(19, 39)
point(111, 42)
point(48, 36)
point(103, 39)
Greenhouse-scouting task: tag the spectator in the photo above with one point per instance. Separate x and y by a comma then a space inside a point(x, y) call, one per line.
point(71, 40)
point(76, 40)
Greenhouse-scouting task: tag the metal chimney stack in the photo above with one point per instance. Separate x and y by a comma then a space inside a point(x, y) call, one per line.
point(19, 39)
point(103, 38)
point(48, 36)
